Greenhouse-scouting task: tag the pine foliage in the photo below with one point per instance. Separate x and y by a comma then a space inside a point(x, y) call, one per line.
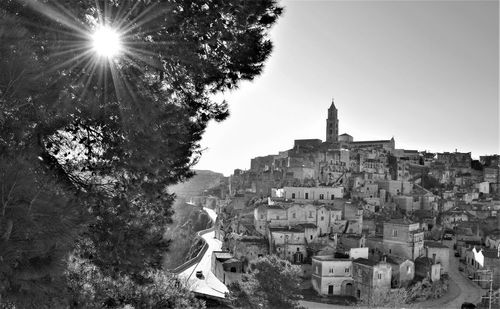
point(99, 147)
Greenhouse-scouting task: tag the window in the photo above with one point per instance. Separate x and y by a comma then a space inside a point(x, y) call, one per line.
point(311, 237)
point(310, 214)
point(333, 196)
point(331, 270)
point(390, 251)
point(322, 218)
point(277, 217)
point(293, 195)
point(293, 215)
point(379, 276)
point(307, 196)
point(321, 196)
point(394, 233)
point(346, 270)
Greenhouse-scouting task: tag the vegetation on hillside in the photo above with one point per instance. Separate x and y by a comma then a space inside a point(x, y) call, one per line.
point(271, 283)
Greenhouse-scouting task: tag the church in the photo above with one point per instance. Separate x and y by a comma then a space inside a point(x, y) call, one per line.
point(345, 140)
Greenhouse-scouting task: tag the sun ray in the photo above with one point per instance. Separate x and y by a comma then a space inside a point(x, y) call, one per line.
point(56, 15)
point(136, 22)
point(82, 44)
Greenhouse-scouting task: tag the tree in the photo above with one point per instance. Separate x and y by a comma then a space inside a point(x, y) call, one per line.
point(110, 136)
point(394, 298)
point(272, 283)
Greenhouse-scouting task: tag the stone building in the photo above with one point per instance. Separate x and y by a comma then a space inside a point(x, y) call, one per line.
point(332, 125)
point(403, 239)
point(403, 271)
point(332, 276)
point(425, 268)
point(369, 276)
point(439, 253)
point(247, 248)
point(225, 267)
point(288, 243)
point(310, 194)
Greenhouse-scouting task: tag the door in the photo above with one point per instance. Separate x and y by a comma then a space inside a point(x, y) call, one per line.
point(330, 290)
point(348, 289)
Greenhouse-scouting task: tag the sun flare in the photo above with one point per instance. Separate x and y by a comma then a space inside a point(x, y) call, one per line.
point(106, 42)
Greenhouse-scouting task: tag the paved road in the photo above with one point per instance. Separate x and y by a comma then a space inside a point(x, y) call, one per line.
point(461, 289)
point(209, 284)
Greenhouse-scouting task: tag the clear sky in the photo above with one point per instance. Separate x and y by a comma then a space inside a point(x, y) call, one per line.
point(425, 72)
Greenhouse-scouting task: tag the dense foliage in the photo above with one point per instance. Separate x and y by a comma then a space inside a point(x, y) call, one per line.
point(87, 148)
point(272, 283)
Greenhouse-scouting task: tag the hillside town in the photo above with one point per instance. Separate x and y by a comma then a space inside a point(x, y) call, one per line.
point(360, 217)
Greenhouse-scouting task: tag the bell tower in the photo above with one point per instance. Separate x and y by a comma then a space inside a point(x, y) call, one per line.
point(332, 125)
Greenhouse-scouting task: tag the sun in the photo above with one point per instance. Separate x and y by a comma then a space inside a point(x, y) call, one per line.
point(106, 41)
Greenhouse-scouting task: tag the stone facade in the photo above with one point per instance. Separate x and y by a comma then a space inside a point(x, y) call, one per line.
point(403, 271)
point(403, 239)
point(225, 267)
point(369, 276)
point(332, 276)
point(439, 253)
point(332, 125)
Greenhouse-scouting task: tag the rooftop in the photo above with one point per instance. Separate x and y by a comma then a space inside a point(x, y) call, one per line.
point(223, 255)
point(366, 262)
point(422, 260)
point(400, 221)
point(434, 244)
point(393, 259)
point(330, 258)
point(291, 229)
point(308, 225)
point(372, 142)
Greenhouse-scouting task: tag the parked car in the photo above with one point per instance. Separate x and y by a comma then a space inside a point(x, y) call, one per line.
point(199, 274)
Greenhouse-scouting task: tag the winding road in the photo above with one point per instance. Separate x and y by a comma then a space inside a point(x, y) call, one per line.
point(460, 290)
point(208, 284)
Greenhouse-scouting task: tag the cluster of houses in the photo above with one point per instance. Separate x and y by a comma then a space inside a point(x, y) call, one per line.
point(363, 215)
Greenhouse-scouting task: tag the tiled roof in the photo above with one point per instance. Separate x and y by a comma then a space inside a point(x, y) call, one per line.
point(434, 244)
point(489, 253)
point(222, 255)
point(372, 142)
point(422, 260)
point(366, 262)
point(308, 225)
point(393, 259)
point(336, 257)
point(292, 229)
